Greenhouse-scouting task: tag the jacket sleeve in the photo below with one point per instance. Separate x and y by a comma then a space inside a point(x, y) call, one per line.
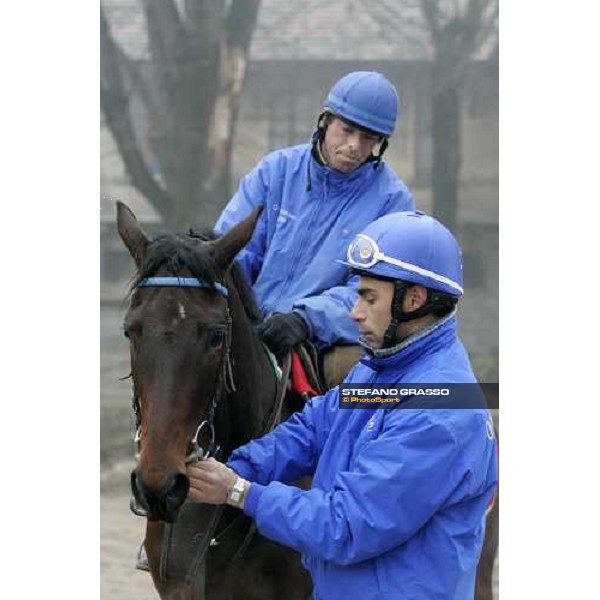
point(253, 190)
point(328, 315)
point(398, 482)
point(292, 449)
point(404, 201)
point(400, 198)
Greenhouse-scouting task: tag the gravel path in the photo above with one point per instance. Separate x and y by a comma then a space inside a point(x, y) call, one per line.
point(120, 535)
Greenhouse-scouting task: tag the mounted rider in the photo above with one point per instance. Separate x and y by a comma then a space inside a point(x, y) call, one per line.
point(317, 196)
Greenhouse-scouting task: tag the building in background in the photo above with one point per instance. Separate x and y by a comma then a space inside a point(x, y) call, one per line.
point(296, 55)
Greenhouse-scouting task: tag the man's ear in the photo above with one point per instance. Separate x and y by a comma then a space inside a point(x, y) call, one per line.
point(416, 296)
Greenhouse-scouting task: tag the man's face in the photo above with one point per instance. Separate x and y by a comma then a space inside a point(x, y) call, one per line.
point(373, 309)
point(346, 147)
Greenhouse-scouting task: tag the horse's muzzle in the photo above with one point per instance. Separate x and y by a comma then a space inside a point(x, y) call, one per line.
point(163, 505)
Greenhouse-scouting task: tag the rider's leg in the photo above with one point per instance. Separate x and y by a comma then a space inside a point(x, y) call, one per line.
point(338, 361)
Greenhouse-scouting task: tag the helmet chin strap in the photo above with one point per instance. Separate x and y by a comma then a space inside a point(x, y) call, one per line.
point(376, 158)
point(434, 300)
point(319, 134)
point(390, 337)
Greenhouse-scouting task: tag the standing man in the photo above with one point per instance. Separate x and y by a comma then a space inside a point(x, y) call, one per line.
point(399, 497)
point(317, 196)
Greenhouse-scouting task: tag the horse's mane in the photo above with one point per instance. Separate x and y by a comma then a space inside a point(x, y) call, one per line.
point(179, 252)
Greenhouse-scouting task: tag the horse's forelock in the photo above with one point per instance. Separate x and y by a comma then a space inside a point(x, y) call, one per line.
point(184, 252)
point(178, 253)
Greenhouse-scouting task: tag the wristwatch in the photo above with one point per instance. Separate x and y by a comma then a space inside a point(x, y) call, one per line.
point(235, 495)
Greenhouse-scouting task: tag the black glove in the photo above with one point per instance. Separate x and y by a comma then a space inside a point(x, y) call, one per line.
point(281, 332)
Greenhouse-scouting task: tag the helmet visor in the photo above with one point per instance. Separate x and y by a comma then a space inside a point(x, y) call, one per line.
point(364, 253)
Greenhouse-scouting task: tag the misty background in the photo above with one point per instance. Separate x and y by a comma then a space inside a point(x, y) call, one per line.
point(194, 93)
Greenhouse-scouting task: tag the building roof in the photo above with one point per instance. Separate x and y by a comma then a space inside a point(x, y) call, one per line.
point(335, 29)
point(313, 29)
point(128, 26)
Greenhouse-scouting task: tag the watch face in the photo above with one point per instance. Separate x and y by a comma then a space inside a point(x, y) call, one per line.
point(236, 493)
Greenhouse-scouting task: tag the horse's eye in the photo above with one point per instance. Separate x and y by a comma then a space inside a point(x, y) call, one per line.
point(131, 331)
point(215, 337)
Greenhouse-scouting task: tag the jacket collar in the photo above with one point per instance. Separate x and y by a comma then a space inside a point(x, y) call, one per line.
point(438, 335)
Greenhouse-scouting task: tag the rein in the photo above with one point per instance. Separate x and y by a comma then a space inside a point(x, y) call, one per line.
point(273, 419)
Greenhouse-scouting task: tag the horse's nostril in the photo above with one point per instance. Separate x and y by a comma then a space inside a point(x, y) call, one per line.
point(165, 503)
point(179, 489)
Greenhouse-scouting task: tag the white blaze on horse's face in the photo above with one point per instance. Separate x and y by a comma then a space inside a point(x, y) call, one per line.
point(180, 316)
point(181, 310)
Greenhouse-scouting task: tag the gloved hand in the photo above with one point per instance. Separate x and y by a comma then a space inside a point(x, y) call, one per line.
point(281, 332)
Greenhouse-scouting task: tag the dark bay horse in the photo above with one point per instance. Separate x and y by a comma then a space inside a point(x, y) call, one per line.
point(203, 382)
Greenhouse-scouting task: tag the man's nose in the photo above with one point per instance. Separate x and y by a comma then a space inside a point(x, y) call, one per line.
point(355, 313)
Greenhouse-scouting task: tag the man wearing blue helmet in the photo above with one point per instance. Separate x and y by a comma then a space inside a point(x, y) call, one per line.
point(409, 293)
point(399, 497)
point(317, 196)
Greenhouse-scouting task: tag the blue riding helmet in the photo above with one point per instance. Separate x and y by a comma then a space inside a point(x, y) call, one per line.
point(366, 98)
point(409, 246)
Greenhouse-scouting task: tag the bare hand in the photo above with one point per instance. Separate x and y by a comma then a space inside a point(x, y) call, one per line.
point(210, 481)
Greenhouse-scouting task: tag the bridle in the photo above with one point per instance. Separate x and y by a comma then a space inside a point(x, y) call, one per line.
point(225, 384)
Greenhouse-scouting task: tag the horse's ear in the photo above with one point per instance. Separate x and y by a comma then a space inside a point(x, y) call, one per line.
point(227, 246)
point(131, 233)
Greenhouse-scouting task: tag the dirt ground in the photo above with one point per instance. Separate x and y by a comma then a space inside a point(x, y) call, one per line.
point(120, 535)
point(120, 531)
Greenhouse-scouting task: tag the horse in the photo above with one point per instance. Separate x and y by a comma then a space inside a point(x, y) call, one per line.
point(204, 384)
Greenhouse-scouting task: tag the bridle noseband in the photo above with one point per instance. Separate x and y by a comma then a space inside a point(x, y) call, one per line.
point(225, 383)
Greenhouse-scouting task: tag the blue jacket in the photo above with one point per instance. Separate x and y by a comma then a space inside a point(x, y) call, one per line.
point(398, 500)
point(291, 259)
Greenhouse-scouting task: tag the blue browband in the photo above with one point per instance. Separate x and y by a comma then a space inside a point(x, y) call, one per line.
point(181, 282)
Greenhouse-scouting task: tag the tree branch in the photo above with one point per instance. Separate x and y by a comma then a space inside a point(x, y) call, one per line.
point(431, 13)
point(167, 38)
point(114, 104)
point(241, 22)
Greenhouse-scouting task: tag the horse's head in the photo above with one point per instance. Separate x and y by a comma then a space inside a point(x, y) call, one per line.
point(179, 330)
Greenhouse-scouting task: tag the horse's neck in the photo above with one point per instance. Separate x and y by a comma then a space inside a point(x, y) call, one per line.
point(254, 378)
